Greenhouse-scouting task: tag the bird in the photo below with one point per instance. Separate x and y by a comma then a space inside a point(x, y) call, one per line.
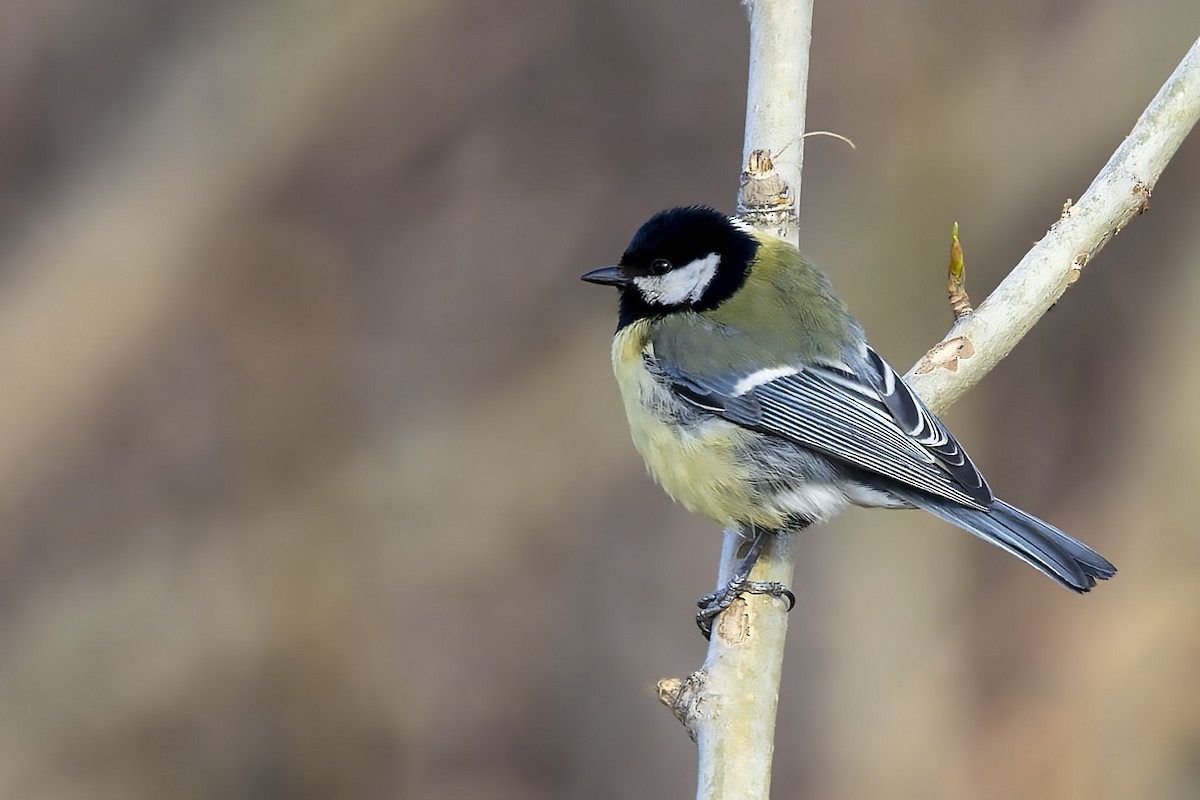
point(755, 400)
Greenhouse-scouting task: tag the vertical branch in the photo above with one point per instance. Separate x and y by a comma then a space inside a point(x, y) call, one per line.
point(729, 704)
point(776, 97)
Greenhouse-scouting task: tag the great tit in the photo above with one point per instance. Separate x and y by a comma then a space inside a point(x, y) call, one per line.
point(755, 400)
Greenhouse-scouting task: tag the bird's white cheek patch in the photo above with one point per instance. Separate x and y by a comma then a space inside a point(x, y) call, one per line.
point(679, 286)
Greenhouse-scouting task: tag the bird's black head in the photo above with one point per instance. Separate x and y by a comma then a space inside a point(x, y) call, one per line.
point(684, 258)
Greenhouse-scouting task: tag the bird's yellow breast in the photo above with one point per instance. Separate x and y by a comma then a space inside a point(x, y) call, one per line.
point(700, 465)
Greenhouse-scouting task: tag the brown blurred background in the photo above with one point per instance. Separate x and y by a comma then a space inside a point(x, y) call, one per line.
point(314, 481)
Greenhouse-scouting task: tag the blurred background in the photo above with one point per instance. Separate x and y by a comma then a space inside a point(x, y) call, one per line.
point(314, 480)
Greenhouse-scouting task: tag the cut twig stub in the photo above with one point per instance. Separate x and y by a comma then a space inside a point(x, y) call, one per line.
point(765, 199)
point(684, 698)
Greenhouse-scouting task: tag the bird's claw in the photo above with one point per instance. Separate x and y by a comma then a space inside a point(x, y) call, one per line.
point(711, 605)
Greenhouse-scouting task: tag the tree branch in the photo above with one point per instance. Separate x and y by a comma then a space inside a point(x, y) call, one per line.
point(776, 99)
point(729, 704)
point(977, 343)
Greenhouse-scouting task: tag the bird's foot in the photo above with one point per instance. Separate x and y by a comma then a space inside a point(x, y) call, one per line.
point(713, 604)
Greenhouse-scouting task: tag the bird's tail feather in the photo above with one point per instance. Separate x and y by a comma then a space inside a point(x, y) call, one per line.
point(1070, 562)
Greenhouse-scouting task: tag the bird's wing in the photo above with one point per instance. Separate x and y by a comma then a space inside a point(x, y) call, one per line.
point(865, 415)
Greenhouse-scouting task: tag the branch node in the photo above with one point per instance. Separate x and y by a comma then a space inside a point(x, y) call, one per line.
point(1144, 190)
point(960, 303)
point(684, 698)
point(1077, 266)
point(765, 199)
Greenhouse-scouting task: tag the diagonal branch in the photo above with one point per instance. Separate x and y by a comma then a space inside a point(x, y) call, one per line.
point(977, 343)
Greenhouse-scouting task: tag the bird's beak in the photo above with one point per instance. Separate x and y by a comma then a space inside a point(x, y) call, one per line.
point(606, 276)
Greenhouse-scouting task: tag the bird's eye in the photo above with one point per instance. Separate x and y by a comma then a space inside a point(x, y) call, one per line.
point(660, 266)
